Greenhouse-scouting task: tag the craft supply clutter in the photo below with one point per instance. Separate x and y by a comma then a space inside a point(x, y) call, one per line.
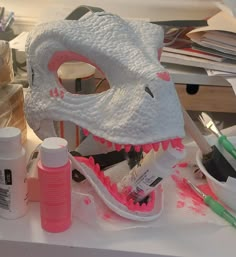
point(132, 133)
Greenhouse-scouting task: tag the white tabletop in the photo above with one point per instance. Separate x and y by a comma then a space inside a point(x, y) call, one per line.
point(175, 233)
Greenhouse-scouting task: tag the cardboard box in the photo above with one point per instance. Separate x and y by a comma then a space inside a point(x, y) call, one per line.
point(12, 108)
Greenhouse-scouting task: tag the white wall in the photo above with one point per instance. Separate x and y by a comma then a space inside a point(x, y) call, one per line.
point(153, 9)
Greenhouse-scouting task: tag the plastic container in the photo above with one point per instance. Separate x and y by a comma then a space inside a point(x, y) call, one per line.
point(13, 182)
point(225, 191)
point(146, 175)
point(54, 171)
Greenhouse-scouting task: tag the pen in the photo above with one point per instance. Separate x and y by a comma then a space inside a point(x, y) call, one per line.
point(9, 20)
point(8, 25)
point(214, 205)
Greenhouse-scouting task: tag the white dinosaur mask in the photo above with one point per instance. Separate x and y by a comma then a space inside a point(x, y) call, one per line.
point(140, 109)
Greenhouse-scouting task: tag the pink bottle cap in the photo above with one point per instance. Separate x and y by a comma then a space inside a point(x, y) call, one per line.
point(54, 152)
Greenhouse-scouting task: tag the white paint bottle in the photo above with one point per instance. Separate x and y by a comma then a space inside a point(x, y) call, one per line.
point(13, 182)
point(146, 175)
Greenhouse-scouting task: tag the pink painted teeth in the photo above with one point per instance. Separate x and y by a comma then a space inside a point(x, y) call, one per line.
point(165, 144)
point(156, 146)
point(127, 148)
point(85, 131)
point(147, 148)
point(113, 190)
point(97, 168)
point(175, 143)
point(107, 180)
point(118, 147)
point(137, 148)
point(102, 140)
point(96, 138)
point(91, 160)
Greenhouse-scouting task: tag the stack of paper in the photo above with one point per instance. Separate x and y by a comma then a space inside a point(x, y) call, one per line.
point(219, 37)
point(212, 47)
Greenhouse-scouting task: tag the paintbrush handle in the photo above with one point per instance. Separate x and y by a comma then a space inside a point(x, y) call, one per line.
point(228, 146)
point(192, 129)
point(220, 210)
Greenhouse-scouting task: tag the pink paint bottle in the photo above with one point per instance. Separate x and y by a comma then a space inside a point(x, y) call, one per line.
point(54, 171)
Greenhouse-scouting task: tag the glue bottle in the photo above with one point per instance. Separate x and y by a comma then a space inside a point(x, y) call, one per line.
point(146, 175)
point(54, 171)
point(13, 183)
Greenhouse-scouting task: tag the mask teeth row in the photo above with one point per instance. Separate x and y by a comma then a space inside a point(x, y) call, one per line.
point(112, 188)
point(175, 143)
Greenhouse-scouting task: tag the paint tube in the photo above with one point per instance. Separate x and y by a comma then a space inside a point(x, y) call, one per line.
point(146, 175)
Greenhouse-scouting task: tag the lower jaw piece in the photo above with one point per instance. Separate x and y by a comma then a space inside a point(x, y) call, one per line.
point(116, 201)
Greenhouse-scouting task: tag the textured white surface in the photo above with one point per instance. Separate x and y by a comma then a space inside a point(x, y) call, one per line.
point(127, 53)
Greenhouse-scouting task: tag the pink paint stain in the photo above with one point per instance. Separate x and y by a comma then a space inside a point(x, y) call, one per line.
point(180, 204)
point(206, 190)
point(107, 216)
point(197, 210)
point(183, 164)
point(163, 75)
point(87, 200)
point(185, 192)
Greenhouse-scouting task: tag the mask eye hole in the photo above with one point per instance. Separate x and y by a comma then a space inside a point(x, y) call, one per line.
point(81, 78)
point(148, 90)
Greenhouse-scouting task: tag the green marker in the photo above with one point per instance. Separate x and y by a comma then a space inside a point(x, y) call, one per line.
point(214, 205)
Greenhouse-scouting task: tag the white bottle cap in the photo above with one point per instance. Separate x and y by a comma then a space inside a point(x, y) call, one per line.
point(10, 140)
point(54, 152)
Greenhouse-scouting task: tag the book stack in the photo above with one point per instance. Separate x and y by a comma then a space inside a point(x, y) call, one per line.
point(212, 47)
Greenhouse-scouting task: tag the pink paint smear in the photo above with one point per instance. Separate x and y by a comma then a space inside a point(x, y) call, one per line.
point(107, 216)
point(87, 200)
point(185, 192)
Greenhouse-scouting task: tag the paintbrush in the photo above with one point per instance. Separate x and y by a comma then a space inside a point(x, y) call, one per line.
point(214, 205)
point(207, 121)
point(212, 159)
